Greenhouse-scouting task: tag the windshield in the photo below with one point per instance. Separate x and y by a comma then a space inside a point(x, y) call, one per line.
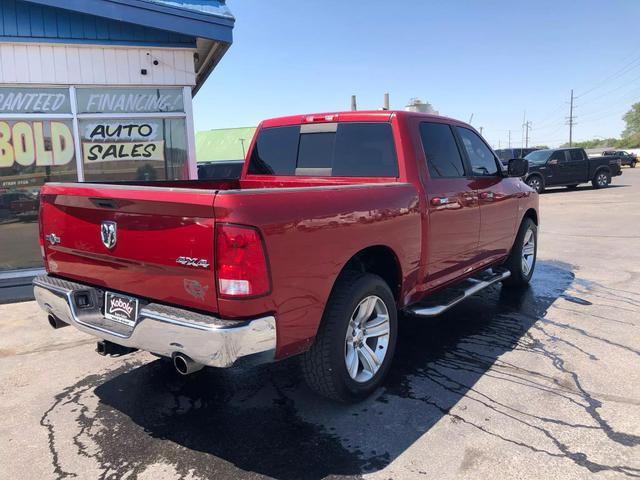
point(539, 157)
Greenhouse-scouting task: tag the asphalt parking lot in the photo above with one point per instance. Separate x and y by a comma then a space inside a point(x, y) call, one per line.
point(544, 384)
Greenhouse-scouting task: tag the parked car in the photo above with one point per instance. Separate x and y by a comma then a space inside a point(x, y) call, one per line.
point(626, 158)
point(569, 167)
point(337, 223)
point(220, 170)
point(506, 154)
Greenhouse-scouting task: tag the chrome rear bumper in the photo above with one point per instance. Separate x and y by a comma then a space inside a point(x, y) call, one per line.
point(160, 329)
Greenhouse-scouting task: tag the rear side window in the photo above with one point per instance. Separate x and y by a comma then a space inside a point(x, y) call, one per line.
point(576, 155)
point(441, 150)
point(338, 150)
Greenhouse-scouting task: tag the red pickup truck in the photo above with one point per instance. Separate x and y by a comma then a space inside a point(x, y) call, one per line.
point(338, 222)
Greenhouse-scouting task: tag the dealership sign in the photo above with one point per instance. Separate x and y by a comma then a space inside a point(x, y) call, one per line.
point(29, 100)
point(40, 143)
point(112, 152)
point(113, 141)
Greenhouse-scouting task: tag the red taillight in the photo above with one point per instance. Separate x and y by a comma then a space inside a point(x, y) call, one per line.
point(241, 263)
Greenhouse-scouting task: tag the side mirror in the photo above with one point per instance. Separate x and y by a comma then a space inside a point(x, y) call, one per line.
point(518, 167)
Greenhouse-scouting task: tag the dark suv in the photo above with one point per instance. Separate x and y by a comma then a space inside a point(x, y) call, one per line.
point(626, 158)
point(506, 154)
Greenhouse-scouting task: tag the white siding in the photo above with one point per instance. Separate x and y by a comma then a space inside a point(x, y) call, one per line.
point(26, 63)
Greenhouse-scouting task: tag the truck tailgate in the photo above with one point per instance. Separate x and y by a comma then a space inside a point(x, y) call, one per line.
point(163, 245)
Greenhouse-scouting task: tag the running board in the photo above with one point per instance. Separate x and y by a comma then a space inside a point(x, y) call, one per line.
point(444, 300)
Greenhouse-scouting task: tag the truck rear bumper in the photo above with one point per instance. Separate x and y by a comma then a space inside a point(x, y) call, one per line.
point(160, 329)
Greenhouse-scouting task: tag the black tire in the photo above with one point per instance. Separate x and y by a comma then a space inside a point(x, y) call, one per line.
point(536, 182)
point(514, 263)
point(324, 365)
point(572, 187)
point(633, 164)
point(601, 179)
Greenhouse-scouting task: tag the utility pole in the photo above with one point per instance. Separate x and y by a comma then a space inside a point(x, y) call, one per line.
point(509, 138)
point(526, 126)
point(354, 105)
point(386, 102)
point(571, 122)
point(481, 130)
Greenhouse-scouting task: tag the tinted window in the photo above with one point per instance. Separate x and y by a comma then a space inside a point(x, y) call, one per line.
point(353, 150)
point(316, 150)
point(576, 155)
point(441, 150)
point(275, 152)
point(559, 155)
point(365, 150)
point(481, 157)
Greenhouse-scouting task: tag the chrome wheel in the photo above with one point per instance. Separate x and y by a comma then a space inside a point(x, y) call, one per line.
point(602, 179)
point(367, 339)
point(535, 183)
point(528, 252)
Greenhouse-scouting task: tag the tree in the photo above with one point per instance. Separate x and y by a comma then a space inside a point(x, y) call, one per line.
point(632, 120)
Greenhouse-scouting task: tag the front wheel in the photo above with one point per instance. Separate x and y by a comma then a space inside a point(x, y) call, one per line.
point(356, 339)
point(535, 182)
point(600, 179)
point(522, 259)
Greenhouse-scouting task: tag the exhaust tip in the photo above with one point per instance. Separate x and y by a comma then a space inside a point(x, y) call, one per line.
point(184, 365)
point(56, 322)
point(181, 365)
point(101, 348)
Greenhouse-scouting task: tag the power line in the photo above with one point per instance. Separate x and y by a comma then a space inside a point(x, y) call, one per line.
point(617, 74)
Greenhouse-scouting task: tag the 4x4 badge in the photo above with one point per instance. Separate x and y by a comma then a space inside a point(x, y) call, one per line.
point(109, 234)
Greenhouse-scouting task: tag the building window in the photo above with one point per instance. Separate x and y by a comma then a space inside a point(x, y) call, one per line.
point(134, 149)
point(106, 135)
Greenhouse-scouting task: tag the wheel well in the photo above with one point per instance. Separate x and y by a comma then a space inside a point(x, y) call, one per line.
point(380, 260)
point(536, 174)
point(532, 214)
point(607, 169)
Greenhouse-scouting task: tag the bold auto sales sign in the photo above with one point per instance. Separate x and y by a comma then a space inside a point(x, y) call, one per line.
point(41, 143)
point(122, 140)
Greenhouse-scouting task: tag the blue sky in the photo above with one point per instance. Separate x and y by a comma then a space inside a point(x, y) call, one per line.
point(492, 59)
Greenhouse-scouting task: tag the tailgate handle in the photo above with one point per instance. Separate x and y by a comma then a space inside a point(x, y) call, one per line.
point(104, 203)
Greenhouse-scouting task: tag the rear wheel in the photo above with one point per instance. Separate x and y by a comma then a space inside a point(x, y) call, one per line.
point(535, 182)
point(522, 260)
point(633, 164)
point(356, 339)
point(601, 179)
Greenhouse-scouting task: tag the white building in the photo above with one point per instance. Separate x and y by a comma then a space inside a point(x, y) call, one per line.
point(96, 90)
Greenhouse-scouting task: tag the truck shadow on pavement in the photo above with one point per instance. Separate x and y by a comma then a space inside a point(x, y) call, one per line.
point(244, 423)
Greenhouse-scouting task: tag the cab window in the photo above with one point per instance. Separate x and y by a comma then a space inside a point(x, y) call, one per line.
point(483, 162)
